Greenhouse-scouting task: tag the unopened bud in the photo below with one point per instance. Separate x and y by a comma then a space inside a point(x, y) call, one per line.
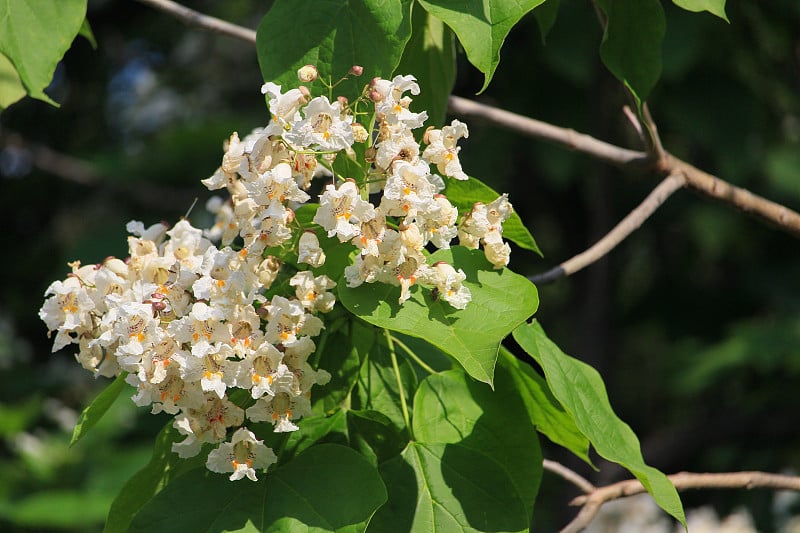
point(307, 74)
point(369, 154)
point(374, 94)
point(356, 70)
point(304, 91)
point(343, 101)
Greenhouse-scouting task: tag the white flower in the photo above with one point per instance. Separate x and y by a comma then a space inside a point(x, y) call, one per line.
point(323, 127)
point(408, 190)
point(340, 210)
point(242, 456)
point(313, 292)
point(393, 105)
point(309, 250)
point(448, 284)
point(280, 409)
point(284, 108)
point(442, 150)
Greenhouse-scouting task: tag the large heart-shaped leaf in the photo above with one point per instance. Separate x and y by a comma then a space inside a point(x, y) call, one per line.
point(326, 488)
point(451, 408)
point(501, 300)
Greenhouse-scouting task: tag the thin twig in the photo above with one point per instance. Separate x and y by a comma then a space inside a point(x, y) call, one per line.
point(570, 475)
point(592, 502)
point(206, 22)
point(564, 137)
point(626, 226)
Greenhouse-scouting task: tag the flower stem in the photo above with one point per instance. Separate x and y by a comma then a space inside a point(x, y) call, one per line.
point(414, 356)
point(396, 367)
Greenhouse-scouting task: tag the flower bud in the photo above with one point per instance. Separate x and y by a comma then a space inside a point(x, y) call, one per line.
point(356, 70)
point(343, 101)
point(307, 74)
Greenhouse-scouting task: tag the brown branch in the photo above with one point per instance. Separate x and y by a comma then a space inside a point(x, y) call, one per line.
point(206, 22)
point(592, 502)
point(564, 137)
point(569, 475)
point(626, 226)
point(697, 180)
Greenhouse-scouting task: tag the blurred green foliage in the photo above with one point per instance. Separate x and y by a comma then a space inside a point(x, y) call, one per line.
point(693, 322)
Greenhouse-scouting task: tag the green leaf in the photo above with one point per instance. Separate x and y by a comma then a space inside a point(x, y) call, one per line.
point(466, 334)
point(481, 27)
point(631, 47)
point(374, 436)
point(448, 488)
point(333, 35)
point(326, 488)
point(11, 88)
point(315, 429)
point(86, 33)
point(451, 408)
point(546, 414)
point(715, 7)
point(342, 355)
point(545, 16)
point(464, 193)
point(163, 467)
point(430, 56)
point(377, 385)
point(581, 391)
point(35, 34)
point(95, 411)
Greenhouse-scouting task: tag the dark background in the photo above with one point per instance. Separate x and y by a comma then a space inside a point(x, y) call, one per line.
point(693, 321)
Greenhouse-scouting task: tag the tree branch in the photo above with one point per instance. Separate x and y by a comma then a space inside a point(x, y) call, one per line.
point(592, 502)
point(564, 137)
point(626, 226)
point(569, 475)
point(206, 22)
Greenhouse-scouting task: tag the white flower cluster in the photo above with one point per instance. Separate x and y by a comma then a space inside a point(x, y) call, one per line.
point(188, 320)
point(276, 163)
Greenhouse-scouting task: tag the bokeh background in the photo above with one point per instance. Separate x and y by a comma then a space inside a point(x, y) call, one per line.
point(694, 321)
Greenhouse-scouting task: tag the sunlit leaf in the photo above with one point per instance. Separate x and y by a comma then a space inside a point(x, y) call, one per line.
point(333, 35)
point(11, 88)
point(35, 34)
point(715, 7)
point(580, 390)
point(501, 300)
point(464, 193)
point(481, 26)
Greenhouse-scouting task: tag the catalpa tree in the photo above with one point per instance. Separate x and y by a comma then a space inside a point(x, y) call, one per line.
point(347, 347)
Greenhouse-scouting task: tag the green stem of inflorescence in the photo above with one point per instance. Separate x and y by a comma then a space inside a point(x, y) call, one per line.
point(396, 367)
point(414, 356)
